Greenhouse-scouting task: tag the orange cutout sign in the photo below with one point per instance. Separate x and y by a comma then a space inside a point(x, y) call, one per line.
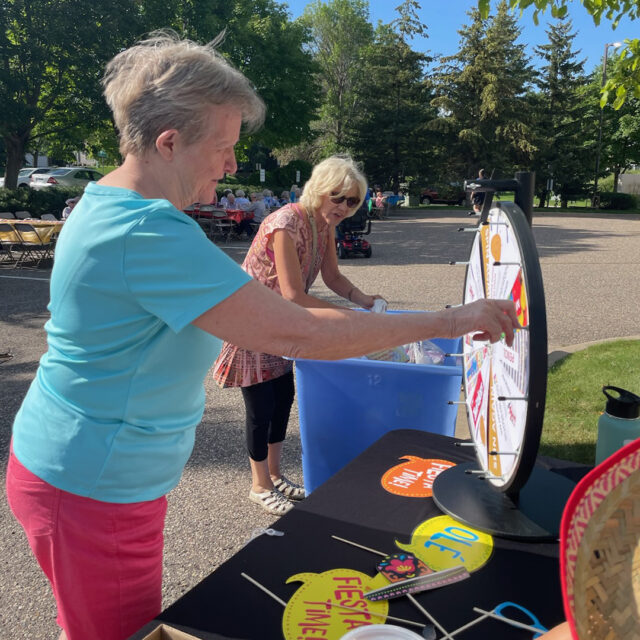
point(414, 478)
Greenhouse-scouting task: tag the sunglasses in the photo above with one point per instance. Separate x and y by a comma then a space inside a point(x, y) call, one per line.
point(351, 202)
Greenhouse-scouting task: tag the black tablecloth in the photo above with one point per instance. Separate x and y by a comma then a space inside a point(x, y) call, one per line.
point(354, 505)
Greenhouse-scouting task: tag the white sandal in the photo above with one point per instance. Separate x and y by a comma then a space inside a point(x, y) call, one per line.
point(289, 489)
point(272, 501)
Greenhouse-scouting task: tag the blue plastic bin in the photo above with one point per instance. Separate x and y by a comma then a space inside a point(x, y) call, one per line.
point(346, 405)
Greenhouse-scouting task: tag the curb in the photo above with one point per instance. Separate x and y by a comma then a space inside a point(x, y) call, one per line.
point(559, 354)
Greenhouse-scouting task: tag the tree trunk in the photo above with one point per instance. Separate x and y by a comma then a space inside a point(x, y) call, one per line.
point(15, 147)
point(543, 198)
point(616, 176)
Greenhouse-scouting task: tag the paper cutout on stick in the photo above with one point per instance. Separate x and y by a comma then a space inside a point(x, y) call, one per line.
point(402, 566)
point(414, 477)
point(427, 582)
point(309, 612)
point(443, 543)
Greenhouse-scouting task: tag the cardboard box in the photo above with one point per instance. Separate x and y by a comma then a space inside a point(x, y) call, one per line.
point(157, 630)
point(165, 632)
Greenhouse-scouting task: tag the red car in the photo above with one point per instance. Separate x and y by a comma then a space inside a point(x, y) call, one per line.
point(448, 194)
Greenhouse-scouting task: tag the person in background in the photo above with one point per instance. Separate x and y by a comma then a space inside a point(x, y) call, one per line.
point(293, 193)
point(293, 245)
point(228, 199)
point(379, 200)
point(269, 201)
point(477, 197)
point(285, 198)
point(258, 207)
point(71, 203)
point(255, 206)
point(109, 420)
point(242, 202)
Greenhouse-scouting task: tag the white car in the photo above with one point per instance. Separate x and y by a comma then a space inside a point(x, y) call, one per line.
point(66, 177)
point(25, 176)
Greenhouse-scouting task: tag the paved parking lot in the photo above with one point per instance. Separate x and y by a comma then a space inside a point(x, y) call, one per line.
point(591, 270)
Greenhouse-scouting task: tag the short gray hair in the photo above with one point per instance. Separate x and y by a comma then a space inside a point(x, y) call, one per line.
point(165, 82)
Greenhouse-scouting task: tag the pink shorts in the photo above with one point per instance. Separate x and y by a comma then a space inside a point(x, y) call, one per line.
point(104, 560)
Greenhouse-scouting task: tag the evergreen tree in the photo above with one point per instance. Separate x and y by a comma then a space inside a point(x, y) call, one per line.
point(481, 96)
point(389, 129)
point(562, 154)
point(625, 80)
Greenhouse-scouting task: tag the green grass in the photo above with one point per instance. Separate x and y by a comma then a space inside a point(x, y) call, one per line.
point(575, 399)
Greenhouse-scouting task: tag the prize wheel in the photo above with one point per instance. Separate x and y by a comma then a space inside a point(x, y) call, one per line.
point(505, 386)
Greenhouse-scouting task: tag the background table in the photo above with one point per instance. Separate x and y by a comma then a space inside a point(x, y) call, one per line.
point(354, 505)
point(47, 229)
point(238, 215)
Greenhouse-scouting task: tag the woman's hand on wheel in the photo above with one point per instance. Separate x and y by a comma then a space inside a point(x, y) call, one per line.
point(486, 320)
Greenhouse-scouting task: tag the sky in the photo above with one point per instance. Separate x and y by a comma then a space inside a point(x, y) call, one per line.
point(445, 17)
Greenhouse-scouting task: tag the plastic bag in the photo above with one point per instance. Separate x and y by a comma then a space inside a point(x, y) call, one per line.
point(397, 354)
point(426, 352)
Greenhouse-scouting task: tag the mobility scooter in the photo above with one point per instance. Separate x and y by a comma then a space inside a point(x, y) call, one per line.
point(350, 232)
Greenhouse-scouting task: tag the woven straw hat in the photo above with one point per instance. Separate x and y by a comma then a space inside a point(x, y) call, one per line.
point(600, 550)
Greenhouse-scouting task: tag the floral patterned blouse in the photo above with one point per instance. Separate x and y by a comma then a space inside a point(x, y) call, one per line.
point(236, 367)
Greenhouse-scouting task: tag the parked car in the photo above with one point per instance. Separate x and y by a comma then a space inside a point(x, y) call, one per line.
point(25, 176)
point(451, 193)
point(66, 177)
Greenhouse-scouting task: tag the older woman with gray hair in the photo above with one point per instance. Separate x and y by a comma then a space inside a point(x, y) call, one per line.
point(140, 301)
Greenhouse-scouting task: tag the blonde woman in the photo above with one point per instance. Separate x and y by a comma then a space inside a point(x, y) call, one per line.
point(293, 245)
point(136, 321)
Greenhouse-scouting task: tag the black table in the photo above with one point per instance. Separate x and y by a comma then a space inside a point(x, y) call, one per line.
point(354, 505)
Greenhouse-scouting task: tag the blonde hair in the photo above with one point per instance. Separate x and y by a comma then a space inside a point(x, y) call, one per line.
point(336, 175)
point(164, 83)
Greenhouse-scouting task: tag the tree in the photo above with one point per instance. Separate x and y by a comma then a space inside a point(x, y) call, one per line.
point(625, 81)
point(389, 130)
point(340, 29)
point(53, 53)
point(481, 96)
point(620, 146)
point(561, 155)
point(408, 22)
point(261, 41)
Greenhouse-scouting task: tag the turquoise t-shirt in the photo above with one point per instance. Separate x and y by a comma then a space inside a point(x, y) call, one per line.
point(112, 411)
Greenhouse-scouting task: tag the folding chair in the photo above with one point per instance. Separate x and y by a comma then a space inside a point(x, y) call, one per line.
point(8, 244)
point(7, 215)
point(48, 216)
point(204, 217)
point(23, 215)
point(34, 245)
point(224, 228)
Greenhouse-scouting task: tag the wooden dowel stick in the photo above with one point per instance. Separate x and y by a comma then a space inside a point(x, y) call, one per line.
point(469, 624)
point(377, 615)
point(506, 620)
point(333, 604)
point(270, 593)
point(360, 546)
point(411, 598)
point(429, 617)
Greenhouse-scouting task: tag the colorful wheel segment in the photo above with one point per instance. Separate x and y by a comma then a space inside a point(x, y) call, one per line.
point(505, 386)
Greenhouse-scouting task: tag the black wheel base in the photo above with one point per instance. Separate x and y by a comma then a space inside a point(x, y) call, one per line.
point(533, 514)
